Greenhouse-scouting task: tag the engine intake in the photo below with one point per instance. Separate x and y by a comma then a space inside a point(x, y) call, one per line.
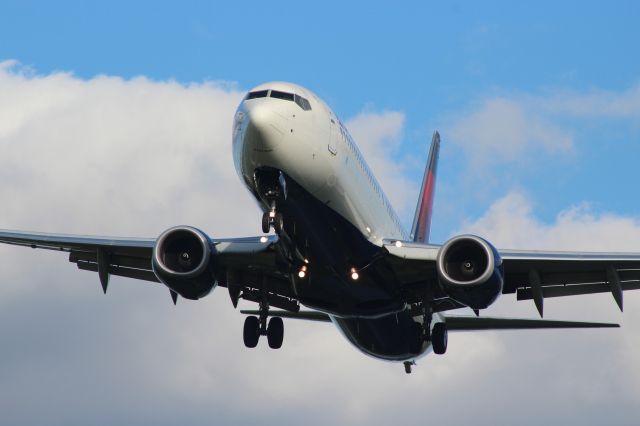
point(183, 261)
point(470, 271)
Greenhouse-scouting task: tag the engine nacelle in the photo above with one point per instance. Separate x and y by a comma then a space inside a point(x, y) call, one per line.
point(183, 261)
point(470, 271)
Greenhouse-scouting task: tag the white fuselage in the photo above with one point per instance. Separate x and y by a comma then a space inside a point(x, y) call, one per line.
point(306, 141)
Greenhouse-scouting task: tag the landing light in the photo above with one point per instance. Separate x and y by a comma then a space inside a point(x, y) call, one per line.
point(263, 239)
point(354, 274)
point(302, 272)
point(398, 244)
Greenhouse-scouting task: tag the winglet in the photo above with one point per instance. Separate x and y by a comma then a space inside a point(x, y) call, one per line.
point(422, 218)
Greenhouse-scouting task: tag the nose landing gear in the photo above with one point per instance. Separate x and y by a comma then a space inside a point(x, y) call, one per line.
point(272, 186)
point(272, 218)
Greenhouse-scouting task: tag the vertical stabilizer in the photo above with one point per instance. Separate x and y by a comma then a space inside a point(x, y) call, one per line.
point(422, 218)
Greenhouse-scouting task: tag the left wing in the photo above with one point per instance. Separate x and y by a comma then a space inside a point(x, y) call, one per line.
point(537, 274)
point(532, 275)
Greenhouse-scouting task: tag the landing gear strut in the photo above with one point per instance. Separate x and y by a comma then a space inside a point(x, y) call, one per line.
point(272, 185)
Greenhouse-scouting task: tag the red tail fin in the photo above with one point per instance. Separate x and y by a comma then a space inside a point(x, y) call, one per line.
point(422, 218)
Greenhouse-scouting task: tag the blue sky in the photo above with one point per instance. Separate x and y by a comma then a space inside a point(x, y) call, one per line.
point(538, 105)
point(429, 60)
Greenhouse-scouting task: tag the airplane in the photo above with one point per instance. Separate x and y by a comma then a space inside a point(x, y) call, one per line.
point(339, 249)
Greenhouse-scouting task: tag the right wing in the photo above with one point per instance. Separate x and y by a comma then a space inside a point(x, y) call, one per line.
point(131, 257)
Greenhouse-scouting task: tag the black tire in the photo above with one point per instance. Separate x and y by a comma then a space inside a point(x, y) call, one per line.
point(251, 331)
point(265, 223)
point(278, 223)
point(275, 333)
point(439, 338)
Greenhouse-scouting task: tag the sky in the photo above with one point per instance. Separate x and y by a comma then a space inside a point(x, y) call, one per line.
point(115, 119)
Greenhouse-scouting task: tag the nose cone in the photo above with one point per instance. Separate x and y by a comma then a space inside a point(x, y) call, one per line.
point(264, 127)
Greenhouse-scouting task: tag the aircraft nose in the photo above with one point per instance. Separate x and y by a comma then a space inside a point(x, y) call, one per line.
point(264, 130)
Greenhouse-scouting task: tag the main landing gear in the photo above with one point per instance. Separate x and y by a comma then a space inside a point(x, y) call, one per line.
point(438, 335)
point(255, 327)
point(439, 338)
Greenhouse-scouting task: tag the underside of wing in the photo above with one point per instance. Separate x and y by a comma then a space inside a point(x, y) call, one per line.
point(245, 265)
point(127, 257)
point(532, 275)
point(536, 275)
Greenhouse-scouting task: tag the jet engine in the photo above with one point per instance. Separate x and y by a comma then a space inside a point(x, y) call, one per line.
point(470, 271)
point(183, 261)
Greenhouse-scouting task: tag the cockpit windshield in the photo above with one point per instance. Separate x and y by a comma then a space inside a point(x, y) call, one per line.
point(282, 95)
point(257, 94)
point(286, 96)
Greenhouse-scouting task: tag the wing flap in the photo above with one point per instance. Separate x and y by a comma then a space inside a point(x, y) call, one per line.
point(574, 290)
point(138, 274)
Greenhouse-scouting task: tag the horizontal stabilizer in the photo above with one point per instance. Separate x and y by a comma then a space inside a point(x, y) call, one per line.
point(468, 323)
point(302, 315)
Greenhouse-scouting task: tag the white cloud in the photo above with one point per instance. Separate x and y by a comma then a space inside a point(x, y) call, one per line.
point(503, 130)
point(117, 147)
point(594, 103)
point(132, 157)
point(510, 222)
point(514, 129)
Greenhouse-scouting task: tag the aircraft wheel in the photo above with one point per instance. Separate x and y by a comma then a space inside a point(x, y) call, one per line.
point(278, 223)
point(265, 223)
point(439, 337)
point(275, 332)
point(251, 331)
